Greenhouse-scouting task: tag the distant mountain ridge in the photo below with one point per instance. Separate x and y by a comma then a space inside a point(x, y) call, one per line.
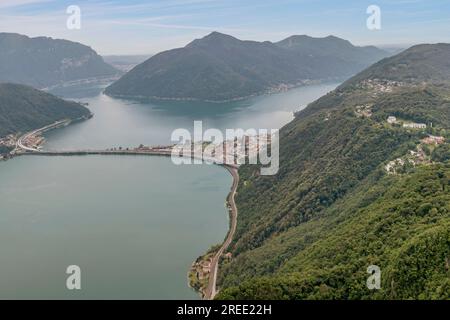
point(41, 62)
point(126, 62)
point(220, 67)
point(342, 49)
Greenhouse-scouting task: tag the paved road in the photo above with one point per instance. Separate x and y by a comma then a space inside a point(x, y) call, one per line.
point(211, 289)
point(20, 142)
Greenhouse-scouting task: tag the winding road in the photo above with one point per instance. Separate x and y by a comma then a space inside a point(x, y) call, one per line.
point(211, 290)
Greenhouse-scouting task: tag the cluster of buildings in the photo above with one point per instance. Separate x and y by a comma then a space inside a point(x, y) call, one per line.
point(393, 165)
point(200, 272)
point(8, 141)
point(236, 151)
point(414, 157)
point(433, 140)
point(33, 141)
point(417, 156)
point(364, 111)
point(381, 86)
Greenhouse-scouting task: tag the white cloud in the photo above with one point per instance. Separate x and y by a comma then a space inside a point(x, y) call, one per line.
point(18, 3)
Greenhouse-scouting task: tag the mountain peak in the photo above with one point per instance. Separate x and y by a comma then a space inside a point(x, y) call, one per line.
point(331, 37)
point(214, 38)
point(217, 35)
point(296, 39)
point(306, 40)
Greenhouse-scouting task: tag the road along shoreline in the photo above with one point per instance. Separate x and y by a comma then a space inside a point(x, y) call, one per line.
point(211, 289)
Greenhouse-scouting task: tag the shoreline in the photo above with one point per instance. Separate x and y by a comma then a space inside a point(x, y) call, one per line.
point(212, 256)
point(39, 132)
point(211, 289)
point(269, 91)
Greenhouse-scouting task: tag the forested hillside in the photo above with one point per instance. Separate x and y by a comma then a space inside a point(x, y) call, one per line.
point(353, 190)
point(220, 67)
point(41, 62)
point(23, 109)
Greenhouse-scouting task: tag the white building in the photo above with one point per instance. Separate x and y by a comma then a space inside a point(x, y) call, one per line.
point(414, 125)
point(392, 119)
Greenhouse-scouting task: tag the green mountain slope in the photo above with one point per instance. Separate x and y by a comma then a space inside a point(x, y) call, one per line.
point(311, 231)
point(24, 109)
point(359, 57)
point(42, 62)
point(220, 67)
point(419, 63)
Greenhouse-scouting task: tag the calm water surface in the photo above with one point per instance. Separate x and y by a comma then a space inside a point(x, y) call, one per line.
point(133, 224)
point(129, 123)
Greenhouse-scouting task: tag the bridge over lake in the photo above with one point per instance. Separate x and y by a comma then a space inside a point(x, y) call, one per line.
point(166, 152)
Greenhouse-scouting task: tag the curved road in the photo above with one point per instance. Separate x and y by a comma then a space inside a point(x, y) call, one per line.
point(211, 289)
point(20, 142)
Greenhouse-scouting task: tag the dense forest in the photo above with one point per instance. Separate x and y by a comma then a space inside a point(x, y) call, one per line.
point(333, 209)
point(23, 109)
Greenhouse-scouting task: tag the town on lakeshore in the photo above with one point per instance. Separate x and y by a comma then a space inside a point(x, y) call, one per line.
point(235, 151)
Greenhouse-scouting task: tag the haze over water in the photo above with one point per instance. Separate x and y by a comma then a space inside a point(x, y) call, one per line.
point(133, 224)
point(128, 123)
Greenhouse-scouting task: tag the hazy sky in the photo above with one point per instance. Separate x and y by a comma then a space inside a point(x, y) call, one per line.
point(150, 26)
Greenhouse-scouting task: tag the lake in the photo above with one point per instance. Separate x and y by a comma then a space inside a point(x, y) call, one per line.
point(133, 224)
